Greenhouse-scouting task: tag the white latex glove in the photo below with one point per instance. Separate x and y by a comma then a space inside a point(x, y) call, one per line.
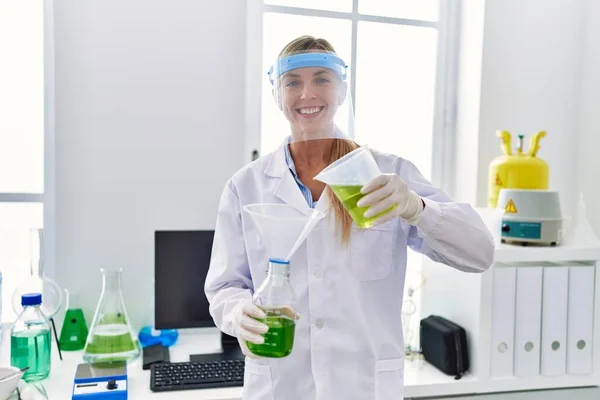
point(247, 328)
point(387, 190)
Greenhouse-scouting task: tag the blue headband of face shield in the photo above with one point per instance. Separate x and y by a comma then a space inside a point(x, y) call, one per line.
point(325, 60)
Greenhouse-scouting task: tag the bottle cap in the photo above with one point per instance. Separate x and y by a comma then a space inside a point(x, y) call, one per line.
point(279, 261)
point(31, 299)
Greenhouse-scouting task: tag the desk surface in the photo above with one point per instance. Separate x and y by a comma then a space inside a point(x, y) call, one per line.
point(421, 379)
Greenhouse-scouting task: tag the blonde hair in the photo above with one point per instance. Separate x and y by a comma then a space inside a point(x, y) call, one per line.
point(340, 147)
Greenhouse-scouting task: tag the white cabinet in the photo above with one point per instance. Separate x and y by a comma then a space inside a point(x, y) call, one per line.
point(532, 319)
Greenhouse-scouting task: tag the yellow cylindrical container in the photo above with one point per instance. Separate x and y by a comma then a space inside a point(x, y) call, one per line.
point(517, 171)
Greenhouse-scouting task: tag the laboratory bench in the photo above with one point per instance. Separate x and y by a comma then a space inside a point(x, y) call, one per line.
point(479, 302)
point(421, 379)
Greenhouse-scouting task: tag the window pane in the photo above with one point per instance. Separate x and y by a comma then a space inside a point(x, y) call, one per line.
point(279, 30)
point(21, 96)
point(427, 10)
point(395, 85)
point(16, 220)
point(330, 5)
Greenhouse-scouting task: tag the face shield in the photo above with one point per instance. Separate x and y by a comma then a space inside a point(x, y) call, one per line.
point(312, 93)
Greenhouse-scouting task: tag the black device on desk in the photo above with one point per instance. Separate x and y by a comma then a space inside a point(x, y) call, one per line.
point(181, 264)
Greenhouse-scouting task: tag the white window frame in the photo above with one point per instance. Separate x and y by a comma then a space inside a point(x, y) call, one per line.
point(443, 135)
point(49, 142)
point(47, 198)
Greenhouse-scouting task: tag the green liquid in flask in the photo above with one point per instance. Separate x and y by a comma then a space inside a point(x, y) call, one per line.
point(74, 331)
point(111, 341)
point(279, 340)
point(31, 349)
point(349, 195)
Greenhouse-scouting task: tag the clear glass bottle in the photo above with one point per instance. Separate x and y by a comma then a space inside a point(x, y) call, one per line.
point(30, 339)
point(277, 299)
point(111, 338)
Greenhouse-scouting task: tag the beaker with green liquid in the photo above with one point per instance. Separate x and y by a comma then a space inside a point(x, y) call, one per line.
point(349, 195)
point(74, 332)
point(277, 299)
point(346, 177)
point(111, 338)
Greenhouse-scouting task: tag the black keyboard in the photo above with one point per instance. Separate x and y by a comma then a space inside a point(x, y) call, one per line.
point(166, 377)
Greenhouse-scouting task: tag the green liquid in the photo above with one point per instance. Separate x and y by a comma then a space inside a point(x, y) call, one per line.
point(279, 340)
point(74, 331)
point(31, 348)
point(349, 195)
point(110, 343)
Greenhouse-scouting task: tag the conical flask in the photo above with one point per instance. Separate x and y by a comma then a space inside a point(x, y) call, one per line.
point(74, 332)
point(282, 227)
point(111, 338)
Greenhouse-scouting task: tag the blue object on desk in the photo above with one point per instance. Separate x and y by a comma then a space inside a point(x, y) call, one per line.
point(149, 336)
point(100, 382)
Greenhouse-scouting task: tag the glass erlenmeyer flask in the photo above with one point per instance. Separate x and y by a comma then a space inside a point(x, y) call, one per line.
point(74, 332)
point(111, 338)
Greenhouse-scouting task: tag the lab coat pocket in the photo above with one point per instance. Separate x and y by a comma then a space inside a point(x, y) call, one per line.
point(257, 382)
point(371, 253)
point(389, 379)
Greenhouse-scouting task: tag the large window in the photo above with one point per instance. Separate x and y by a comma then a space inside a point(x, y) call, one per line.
point(400, 57)
point(397, 52)
point(22, 144)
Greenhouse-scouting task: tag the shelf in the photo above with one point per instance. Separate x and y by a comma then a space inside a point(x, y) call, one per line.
point(517, 253)
point(422, 379)
point(427, 381)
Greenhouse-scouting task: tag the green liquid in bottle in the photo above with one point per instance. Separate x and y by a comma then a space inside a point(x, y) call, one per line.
point(349, 195)
point(31, 348)
point(279, 340)
point(74, 331)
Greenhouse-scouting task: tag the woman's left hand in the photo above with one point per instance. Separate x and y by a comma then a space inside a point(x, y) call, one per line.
point(388, 190)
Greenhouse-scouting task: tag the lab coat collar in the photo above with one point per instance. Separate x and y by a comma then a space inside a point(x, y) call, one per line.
point(287, 189)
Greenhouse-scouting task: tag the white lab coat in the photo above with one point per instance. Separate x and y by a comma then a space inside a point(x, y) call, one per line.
point(348, 342)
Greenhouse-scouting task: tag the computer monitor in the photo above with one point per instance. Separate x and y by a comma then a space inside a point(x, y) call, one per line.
point(181, 262)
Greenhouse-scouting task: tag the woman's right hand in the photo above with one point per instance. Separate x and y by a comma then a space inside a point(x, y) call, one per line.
point(247, 328)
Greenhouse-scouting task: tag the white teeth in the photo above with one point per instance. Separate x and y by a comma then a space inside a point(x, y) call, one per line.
point(309, 111)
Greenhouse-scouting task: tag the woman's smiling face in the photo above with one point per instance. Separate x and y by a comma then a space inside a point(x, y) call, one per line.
point(309, 98)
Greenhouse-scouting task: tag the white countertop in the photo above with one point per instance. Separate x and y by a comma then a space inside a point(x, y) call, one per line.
point(421, 379)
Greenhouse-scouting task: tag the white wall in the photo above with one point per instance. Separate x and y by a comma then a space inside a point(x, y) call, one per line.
point(146, 91)
point(540, 69)
point(530, 82)
point(519, 71)
point(149, 125)
point(588, 139)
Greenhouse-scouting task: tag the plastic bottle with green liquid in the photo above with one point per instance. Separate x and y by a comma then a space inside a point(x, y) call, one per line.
point(277, 299)
point(30, 339)
point(74, 330)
